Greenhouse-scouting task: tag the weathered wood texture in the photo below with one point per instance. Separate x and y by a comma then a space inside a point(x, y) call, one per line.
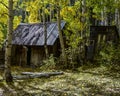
point(100, 35)
point(33, 34)
point(19, 55)
point(103, 33)
point(31, 75)
point(36, 55)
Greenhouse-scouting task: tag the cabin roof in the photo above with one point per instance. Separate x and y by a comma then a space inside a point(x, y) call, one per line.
point(105, 30)
point(33, 34)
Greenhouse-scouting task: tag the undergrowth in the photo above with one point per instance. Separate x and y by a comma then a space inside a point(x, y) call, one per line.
point(109, 57)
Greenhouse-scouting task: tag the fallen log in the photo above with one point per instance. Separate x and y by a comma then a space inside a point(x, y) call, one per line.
point(38, 73)
point(31, 75)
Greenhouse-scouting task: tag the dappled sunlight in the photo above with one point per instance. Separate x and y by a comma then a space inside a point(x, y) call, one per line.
point(92, 81)
point(59, 48)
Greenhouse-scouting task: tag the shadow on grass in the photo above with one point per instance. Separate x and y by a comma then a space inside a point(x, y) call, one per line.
point(79, 87)
point(11, 90)
point(90, 88)
point(99, 90)
point(113, 75)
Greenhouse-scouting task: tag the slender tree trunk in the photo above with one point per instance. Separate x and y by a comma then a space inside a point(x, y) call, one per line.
point(45, 32)
point(119, 22)
point(102, 15)
point(50, 13)
point(105, 16)
point(61, 36)
point(83, 19)
point(7, 73)
point(116, 15)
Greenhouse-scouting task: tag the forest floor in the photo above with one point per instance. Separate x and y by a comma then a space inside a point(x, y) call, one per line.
point(85, 81)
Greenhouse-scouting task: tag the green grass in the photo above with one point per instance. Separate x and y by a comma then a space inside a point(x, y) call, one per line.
point(86, 81)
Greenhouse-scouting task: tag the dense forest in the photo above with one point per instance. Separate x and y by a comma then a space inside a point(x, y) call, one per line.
point(59, 48)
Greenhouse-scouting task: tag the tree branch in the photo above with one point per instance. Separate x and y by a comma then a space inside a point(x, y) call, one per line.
point(4, 4)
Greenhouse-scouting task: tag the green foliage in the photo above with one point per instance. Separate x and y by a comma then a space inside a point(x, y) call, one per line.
point(74, 58)
point(72, 15)
point(109, 56)
point(97, 81)
point(49, 63)
point(4, 19)
point(1, 35)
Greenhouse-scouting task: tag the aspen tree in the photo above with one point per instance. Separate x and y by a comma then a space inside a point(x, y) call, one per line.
point(7, 74)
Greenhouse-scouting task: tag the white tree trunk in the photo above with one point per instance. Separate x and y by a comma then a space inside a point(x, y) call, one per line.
point(7, 73)
point(102, 14)
point(83, 19)
point(105, 16)
point(116, 15)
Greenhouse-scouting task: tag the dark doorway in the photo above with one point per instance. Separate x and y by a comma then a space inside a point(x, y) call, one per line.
point(28, 55)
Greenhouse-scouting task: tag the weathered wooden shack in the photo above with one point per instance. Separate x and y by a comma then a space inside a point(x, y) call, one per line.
point(103, 34)
point(28, 43)
point(99, 35)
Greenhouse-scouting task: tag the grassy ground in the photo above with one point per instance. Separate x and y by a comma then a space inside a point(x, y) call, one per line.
point(85, 81)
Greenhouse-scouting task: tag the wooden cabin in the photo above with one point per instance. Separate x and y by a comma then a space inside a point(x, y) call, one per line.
point(98, 36)
point(103, 34)
point(28, 43)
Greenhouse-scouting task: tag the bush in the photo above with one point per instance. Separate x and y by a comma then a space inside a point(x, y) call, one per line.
point(49, 63)
point(74, 59)
point(109, 56)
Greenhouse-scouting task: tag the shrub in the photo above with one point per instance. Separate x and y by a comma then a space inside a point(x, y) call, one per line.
point(74, 59)
point(109, 56)
point(49, 63)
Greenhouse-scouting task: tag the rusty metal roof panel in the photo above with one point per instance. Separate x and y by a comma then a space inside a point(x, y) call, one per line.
point(33, 34)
